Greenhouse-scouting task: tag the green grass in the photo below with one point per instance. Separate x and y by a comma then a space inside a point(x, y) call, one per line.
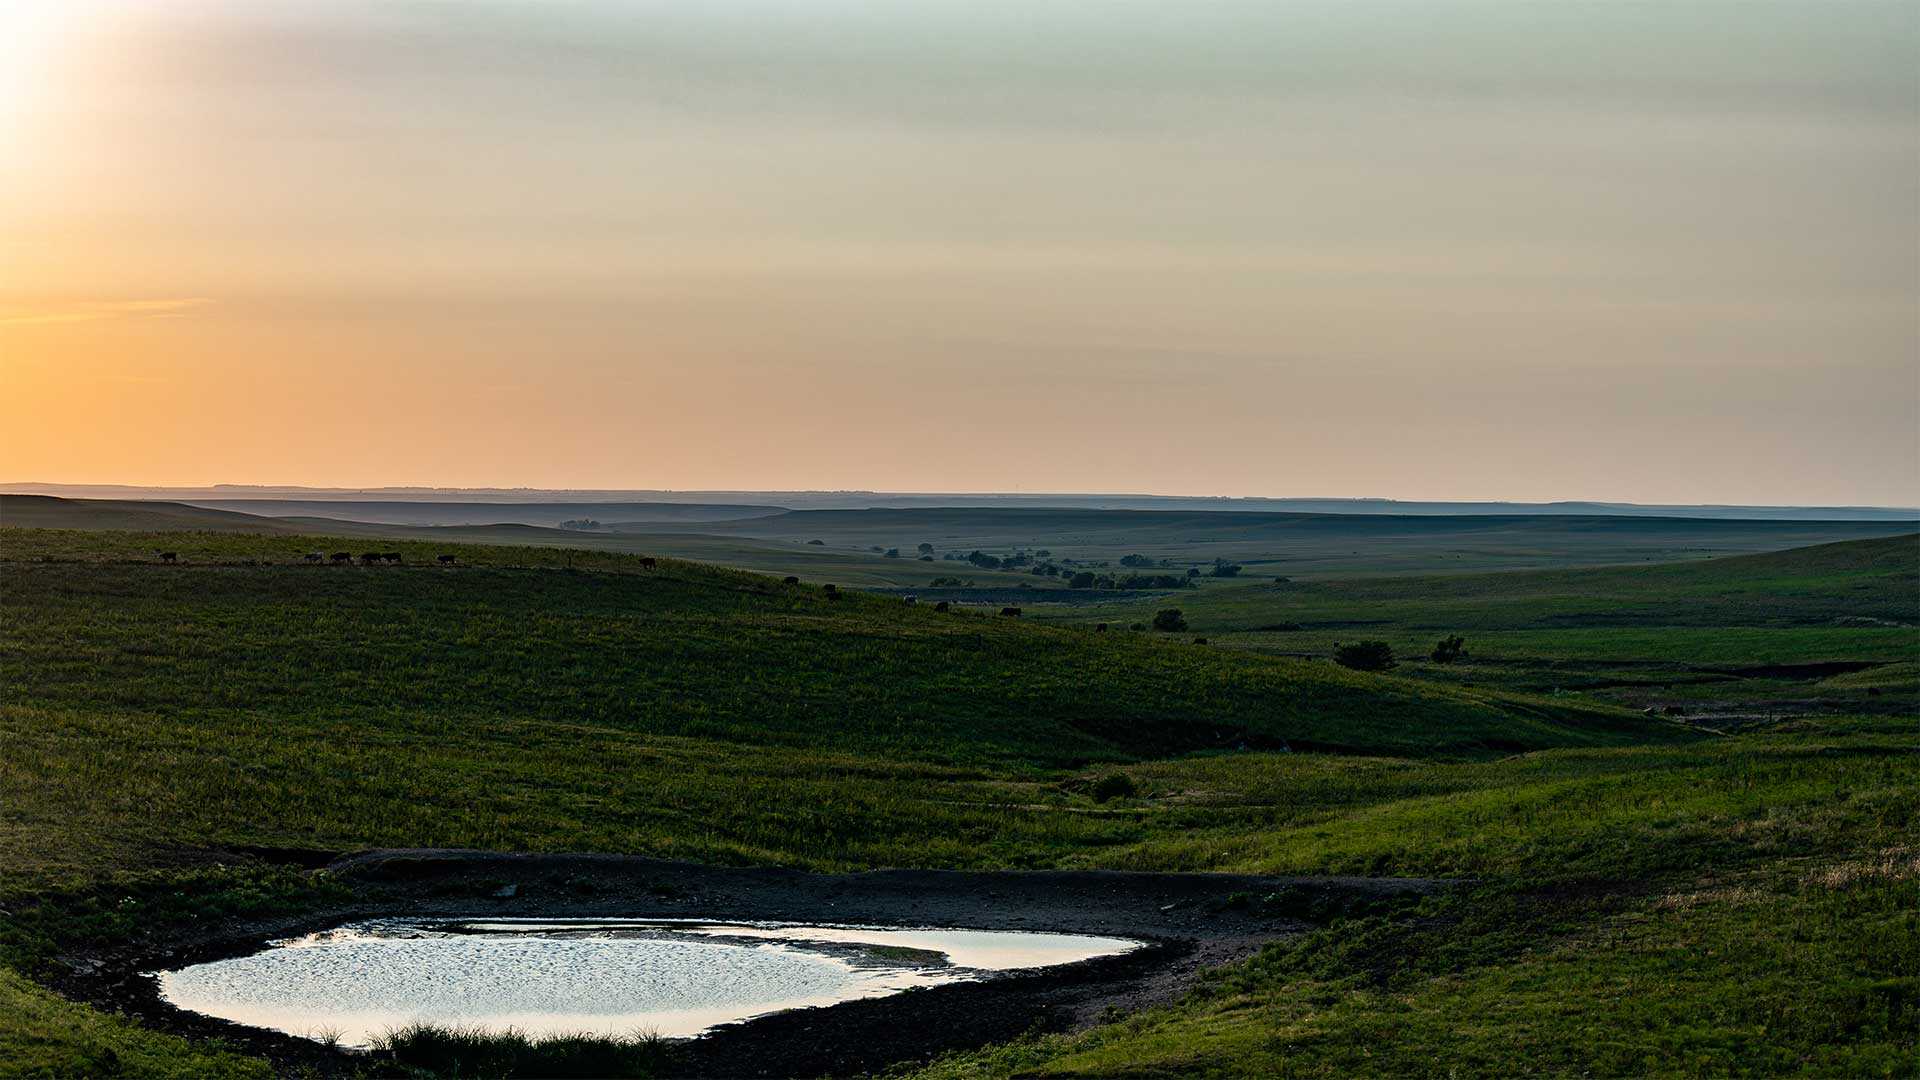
point(432, 1050)
point(1301, 545)
point(1644, 899)
point(1857, 584)
point(1745, 907)
point(1623, 635)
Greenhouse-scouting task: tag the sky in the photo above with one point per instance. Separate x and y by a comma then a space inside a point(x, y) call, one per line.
point(1438, 249)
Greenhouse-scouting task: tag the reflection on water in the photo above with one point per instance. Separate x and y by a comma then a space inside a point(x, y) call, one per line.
point(608, 977)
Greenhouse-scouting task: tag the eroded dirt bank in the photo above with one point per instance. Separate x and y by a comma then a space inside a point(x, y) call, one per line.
point(1192, 922)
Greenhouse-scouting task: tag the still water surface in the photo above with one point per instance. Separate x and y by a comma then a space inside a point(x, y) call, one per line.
point(607, 977)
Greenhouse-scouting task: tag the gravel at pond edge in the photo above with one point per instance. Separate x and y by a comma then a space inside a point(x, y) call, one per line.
point(1191, 922)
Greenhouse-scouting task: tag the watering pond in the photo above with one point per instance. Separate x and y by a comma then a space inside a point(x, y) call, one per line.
point(672, 978)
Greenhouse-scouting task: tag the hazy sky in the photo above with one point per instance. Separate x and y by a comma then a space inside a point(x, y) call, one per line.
point(1528, 249)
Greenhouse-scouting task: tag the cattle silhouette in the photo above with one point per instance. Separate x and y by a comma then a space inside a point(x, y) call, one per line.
point(169, 556)
point(648, 562)
point(313, 556)
point(1010, 612)
point(445, 560)
point(340, 557)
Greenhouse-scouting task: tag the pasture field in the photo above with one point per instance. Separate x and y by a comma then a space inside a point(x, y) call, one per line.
point(1645, 896)
point(1300, 545)
point(1781, 632)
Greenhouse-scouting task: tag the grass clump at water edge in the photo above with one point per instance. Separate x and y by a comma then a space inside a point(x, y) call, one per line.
point(442, 1050)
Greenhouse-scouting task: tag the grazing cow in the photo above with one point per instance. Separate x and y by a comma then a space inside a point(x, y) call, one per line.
point(1199, 641)
point(313, 556)
point(648, 562)
point(1100, 628)
point(828, 588)
point(342, 557)
point(941, 605)
point(910, 599)
point(394, 557)
point(793, 580)
point(1010, 612)
point(169, 556)
point(444, 560)
point(368, 558)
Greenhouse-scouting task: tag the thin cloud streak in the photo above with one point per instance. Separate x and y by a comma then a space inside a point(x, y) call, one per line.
point(97, 310)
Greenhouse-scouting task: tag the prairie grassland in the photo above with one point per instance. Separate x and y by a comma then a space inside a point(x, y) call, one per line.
point(1644, 897)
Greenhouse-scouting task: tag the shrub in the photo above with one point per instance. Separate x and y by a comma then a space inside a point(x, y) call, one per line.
point(1081, 580)
point(1448, 649)
point(1114, 786)
point(1169, 620)
point(1365, 656)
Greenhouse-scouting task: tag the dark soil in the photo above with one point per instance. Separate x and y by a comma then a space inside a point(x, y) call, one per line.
point(1191, 922)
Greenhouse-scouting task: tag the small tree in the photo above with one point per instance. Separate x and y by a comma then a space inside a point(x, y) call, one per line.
point(893, 553)
point(1081, 580)
point(1193, 571)
point(926, 549)
point(1365, 656)
point(1169, 620)
point(1448, 649)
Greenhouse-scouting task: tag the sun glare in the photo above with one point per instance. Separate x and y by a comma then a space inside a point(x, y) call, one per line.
point(30, 31)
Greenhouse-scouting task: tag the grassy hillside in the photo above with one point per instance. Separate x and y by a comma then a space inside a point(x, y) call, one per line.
point(1647, 900)
point(1303, 545)
point(1859, 583)
point(47, 512)
point(688, 650)
point(860, 568)
point(1756, 635)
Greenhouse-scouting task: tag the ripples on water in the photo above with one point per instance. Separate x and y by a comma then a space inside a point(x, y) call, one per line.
point(606, 977)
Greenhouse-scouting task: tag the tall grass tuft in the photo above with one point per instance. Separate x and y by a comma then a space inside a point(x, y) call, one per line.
point(453, 1051)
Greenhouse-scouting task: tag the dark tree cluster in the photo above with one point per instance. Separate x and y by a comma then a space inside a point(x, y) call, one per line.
point(1364, 655)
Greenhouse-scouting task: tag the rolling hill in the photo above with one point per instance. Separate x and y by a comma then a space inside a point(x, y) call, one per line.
point(48, 512)
point(1857, 582)
point(1301, 545)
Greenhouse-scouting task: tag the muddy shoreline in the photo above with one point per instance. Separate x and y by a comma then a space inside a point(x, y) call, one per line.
point(1191, 922)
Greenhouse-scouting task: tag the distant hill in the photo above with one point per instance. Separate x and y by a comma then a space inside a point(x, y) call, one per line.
point(223, 494)
point(1315, 545)
point(1864, 583)
point(550, 514)
point(46, 512)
